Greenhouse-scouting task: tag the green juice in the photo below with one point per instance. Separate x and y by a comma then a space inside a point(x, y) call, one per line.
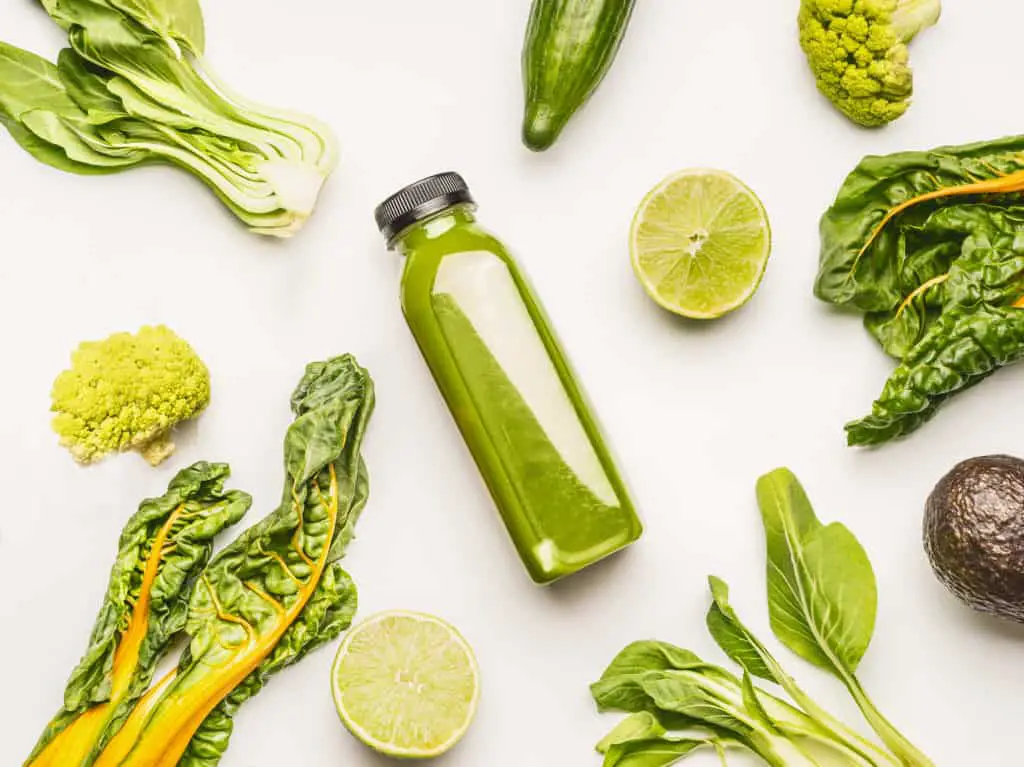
point(508, 384)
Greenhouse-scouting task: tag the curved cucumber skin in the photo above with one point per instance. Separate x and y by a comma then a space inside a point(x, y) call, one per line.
point(569, 47)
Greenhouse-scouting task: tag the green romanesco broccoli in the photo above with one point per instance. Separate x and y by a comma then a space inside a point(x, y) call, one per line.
point(858, 52)
point(127, 392)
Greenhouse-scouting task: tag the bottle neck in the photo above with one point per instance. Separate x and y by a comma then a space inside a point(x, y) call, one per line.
point(433, 227)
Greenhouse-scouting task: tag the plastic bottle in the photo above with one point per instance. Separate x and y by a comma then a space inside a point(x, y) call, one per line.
point(507, 382)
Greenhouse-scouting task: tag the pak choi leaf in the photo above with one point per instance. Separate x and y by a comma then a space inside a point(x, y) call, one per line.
point(133, 88)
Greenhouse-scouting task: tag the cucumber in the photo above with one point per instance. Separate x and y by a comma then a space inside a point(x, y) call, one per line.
point(569, 47)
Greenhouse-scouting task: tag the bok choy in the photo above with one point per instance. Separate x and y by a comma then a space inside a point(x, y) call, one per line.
point(134, 88)
point(822, 601)
point(163, 548)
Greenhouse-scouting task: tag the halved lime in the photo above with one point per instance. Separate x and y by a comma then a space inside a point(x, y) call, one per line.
point(406, 684)
point(700, 241)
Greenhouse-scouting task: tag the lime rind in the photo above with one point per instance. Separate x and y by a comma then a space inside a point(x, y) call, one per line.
point(700, 242)
point(434, 639)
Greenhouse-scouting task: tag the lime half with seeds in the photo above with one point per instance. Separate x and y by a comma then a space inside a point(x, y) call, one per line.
point(406, 684)
point(700, 242)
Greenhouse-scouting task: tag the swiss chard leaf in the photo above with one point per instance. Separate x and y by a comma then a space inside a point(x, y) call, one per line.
point(862, 234)
point(162, 549)
point(329, 612)
point(961, 349)
point(918, 242)
point(257, 604)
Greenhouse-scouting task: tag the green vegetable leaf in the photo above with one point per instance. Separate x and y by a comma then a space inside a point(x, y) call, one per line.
point(715, 699)
point(329, 612)
point(30, 83)
point(711, 696)
point(752, 703)
point(735, 639)
point(639, 657)
point(822, 596)
point(927, 246)
point(271, 595)
point(745, 649)
point(42, 117)
point(136, 90)
point(866, 242)
point(51, 154)
point(162, 549)
point(642, 725)
point(87, 87)
point(178, 20)
point(620, 687)
point(653, 752)
point(962, 348)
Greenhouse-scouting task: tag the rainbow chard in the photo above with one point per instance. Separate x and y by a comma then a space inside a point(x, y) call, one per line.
point(162, 549)
point(927, 247)
point(273, 594)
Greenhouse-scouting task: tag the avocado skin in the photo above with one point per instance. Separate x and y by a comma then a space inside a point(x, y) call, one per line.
point(974, 534)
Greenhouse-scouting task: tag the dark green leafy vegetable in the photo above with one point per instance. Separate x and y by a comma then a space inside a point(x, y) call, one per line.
point(928, 247)
point(134, 88)
point(822, 603)
point(273, 594)
point(162, 549)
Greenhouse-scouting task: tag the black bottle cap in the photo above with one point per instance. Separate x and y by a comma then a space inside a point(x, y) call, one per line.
point(422, 199)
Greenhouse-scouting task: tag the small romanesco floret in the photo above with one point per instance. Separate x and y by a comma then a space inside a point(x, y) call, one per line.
point(127, 392)
point(858, 52)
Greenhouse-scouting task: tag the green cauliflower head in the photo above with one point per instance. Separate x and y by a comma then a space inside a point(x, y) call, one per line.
point(127, 392)
point(858, 52)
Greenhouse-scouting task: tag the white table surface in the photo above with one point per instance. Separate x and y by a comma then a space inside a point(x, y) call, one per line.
point(695, 412)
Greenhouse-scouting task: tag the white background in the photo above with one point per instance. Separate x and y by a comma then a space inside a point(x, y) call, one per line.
point(695, 412)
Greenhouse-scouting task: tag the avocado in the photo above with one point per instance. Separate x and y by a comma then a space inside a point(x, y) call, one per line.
point(974, 534)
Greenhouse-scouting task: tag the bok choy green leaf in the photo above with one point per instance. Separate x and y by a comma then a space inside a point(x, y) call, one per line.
point(133, 88)
point(822, 603)
point(822, 595)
